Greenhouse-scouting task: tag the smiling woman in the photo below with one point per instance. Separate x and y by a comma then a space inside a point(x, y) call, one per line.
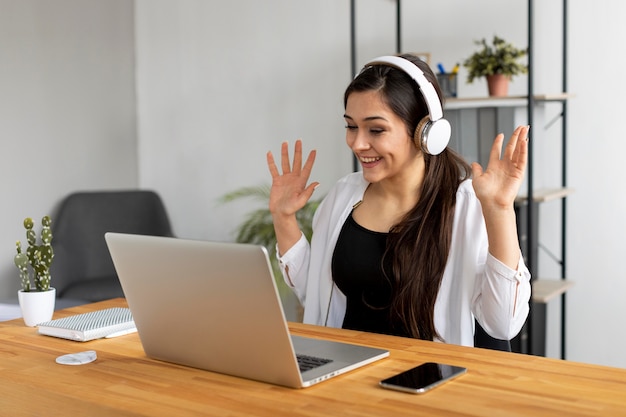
point(409, 246)
point(379, 139)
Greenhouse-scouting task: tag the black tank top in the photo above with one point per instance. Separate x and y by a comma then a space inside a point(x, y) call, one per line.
point(357, 272)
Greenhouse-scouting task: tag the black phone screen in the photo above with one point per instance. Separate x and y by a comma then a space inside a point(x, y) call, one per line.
point(423, 377)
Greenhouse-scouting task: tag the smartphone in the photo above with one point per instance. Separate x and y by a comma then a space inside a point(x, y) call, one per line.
point(422, 378)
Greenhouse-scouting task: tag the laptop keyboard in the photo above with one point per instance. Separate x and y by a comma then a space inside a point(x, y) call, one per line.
point(307, 363)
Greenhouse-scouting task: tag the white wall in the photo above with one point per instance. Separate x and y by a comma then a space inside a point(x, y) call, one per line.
point(220, 83)
point(67, 109)
point(597, 223)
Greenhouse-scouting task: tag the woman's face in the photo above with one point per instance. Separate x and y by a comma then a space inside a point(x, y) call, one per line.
point(379, 138)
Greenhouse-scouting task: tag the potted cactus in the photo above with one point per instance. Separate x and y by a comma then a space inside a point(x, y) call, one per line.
point(36, 297)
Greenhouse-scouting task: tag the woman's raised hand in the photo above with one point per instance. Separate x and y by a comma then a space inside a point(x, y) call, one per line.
point(497, 186)
point(290, 192)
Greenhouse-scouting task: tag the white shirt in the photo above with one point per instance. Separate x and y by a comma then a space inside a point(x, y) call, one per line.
point(474, 284)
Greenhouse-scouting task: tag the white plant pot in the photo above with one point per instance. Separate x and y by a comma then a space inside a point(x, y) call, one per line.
point(36, 306)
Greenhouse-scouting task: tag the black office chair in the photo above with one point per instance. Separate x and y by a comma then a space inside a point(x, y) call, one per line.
point(82, 270)
point(483, 340)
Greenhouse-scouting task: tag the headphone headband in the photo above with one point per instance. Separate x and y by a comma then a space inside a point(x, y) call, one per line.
point(433, 132)
point(428, 91)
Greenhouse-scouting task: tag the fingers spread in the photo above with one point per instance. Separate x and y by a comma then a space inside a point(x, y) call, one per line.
point(521, 154)
point(297, 157)
point(308, 191)
point(308, 165)
point(496, 149)
point(284, 158)
point(288, 168)
point(519, 135)
point(272, 165)
point(477, 170)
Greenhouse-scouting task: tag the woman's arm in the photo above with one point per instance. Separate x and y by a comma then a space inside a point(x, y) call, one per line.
point(289, 193)
point(496, 188)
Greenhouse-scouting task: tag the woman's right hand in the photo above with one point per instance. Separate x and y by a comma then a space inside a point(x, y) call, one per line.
point(289, 193)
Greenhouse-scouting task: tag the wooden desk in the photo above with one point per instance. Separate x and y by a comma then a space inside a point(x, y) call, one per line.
point(124, 382)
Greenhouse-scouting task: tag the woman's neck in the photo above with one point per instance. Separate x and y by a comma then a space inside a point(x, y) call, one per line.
point(386, 202)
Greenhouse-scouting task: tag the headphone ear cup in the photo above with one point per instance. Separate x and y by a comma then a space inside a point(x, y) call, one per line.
point(418, 136)
point(432, 137)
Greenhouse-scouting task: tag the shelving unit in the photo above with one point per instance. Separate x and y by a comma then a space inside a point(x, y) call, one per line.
point(475, 122)
point(536, 331)
point(482, 118)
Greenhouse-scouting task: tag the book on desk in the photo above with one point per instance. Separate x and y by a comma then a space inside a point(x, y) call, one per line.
point(90, 326)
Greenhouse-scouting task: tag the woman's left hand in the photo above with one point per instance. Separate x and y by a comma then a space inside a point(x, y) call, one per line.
point(497, 186)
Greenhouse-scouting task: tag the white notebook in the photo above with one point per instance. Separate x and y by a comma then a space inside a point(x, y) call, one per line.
point(89, 326)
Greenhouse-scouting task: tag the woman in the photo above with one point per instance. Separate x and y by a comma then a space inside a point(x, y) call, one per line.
point(410, 246)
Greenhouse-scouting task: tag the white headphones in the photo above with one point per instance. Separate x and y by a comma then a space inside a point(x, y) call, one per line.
point(433, 131)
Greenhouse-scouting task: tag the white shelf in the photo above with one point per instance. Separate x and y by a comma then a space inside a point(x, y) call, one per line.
point(509, 101)
point(542, 195)
point(545, 290)
point(478, 102)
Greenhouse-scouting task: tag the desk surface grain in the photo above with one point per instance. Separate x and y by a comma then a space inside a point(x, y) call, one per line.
point(124, 382)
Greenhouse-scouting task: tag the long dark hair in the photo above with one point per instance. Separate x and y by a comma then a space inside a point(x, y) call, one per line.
point(418, 246)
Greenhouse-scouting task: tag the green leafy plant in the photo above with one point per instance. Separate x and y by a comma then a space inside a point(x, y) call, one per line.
point(258, 227)
point(38, 257)
point(499, 57)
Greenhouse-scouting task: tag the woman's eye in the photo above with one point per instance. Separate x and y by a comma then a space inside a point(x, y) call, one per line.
point(350, 127)
point(376, 131)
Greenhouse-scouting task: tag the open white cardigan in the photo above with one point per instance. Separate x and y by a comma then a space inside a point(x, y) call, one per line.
point(474, 285)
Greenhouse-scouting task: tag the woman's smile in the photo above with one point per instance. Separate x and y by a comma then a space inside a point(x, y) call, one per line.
point(369, 161)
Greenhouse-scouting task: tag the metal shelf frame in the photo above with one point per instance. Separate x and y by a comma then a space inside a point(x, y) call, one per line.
point(535, 327)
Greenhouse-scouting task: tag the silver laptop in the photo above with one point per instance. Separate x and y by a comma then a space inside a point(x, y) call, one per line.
point(215, 306)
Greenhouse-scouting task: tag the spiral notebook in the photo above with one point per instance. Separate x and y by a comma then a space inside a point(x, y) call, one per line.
point(89, 326)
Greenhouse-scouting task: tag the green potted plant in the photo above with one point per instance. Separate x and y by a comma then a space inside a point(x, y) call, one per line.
point(498, 62)
point(37, 297)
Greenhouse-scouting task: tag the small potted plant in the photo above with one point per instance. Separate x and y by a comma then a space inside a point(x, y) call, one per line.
point(498, 62)
point(36, 297)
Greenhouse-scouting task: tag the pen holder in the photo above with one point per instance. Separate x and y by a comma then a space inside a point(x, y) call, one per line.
point(447, 82)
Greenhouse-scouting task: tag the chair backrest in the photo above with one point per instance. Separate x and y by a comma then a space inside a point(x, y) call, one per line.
point(78, 229)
